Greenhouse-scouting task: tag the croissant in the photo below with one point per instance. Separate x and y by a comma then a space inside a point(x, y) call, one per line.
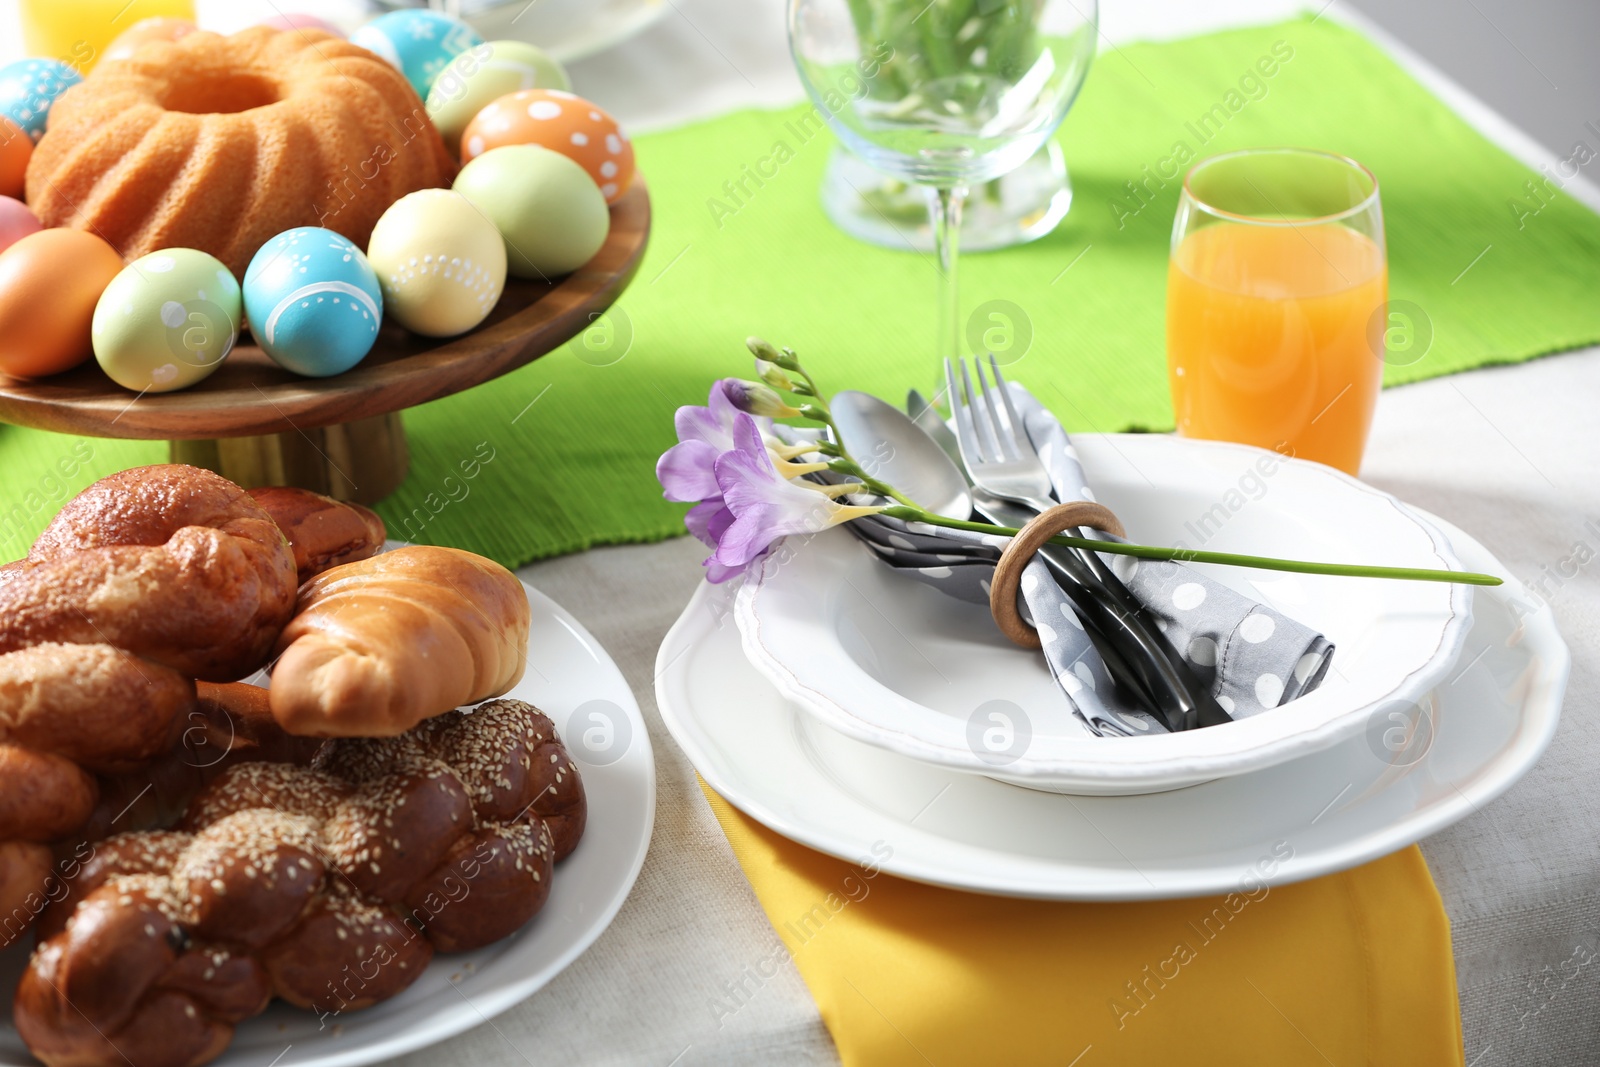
point(377, 646)
point(170, 562)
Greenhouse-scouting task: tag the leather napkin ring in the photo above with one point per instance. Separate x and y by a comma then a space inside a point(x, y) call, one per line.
point(1008, 572)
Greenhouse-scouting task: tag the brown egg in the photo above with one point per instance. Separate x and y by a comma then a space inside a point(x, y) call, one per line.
point(50, 282)
point(144, 31)
point(16, 148)
point(562, 123)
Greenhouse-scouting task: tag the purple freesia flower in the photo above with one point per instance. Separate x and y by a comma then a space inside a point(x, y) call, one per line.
point(684, 470)
point(729, 464)
point(757, 398)
point(764, 504)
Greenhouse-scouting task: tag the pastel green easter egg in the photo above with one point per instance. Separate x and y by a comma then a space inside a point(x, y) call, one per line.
point(167, 321)
point(550, 212)
point(480, 76)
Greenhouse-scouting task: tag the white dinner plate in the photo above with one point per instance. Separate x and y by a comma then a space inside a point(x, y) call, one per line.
point(572, 680)
point(888, 660)
point(1393, 783)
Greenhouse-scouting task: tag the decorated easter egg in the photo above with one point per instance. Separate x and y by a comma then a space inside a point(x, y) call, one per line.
point(561, 122)
point(312, 301)
point(298, 20)
point(417, 43)
point(27, 89)
point(551, 215)
point(16, 148)
point(441, 262)
point(167, 321)
point(480, 76)
point(49, 284)
point(17, 221)
point(144, 31)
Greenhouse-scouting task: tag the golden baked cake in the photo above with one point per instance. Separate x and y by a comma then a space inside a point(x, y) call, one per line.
point(221, 143)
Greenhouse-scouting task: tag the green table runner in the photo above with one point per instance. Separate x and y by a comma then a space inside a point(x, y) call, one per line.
point(1495, 262)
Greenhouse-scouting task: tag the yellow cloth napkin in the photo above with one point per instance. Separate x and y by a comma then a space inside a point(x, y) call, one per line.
point(1353, 968)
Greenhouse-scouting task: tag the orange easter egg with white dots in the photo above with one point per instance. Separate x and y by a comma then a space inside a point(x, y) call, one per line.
point(16, 148)
point(561, 122)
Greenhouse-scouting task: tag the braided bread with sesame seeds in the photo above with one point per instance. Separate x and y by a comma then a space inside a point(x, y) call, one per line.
point(328, 886)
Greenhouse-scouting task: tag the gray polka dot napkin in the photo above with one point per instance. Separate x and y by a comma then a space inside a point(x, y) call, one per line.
point(1253, 657)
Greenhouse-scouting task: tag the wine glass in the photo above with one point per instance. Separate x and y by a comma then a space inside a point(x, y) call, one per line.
point(943, 93)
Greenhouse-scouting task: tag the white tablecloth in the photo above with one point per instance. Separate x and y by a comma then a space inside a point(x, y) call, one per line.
point(1508, 454)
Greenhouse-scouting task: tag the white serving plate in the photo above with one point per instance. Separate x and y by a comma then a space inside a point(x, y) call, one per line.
point(572, 679)
point(887, 660)
point(1484, 726)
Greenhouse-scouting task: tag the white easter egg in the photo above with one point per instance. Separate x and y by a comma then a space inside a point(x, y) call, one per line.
point(440, 260)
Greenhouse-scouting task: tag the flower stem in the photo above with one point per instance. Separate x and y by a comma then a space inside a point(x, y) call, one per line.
point(846, 464)
point(1226, 559)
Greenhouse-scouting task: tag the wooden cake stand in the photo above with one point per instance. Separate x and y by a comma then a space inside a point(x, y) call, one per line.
point(257, 424)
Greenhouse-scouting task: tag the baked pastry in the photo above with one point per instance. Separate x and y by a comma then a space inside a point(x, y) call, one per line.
point(304, 884)
point(322, 532)
point(228, 724)
point(67, 712)
point(224, 727)
point(170, 562)
point(375, 647)
point(221, 143)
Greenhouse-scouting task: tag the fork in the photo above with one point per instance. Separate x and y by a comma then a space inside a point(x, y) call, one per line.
point(1001, 459)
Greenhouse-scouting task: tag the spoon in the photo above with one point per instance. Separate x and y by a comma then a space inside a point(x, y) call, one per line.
point(895, 449)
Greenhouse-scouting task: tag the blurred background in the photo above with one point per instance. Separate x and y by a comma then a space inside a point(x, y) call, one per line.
point(1530, 60)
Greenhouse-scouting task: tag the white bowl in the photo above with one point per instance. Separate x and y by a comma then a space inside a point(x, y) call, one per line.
point(888, 660)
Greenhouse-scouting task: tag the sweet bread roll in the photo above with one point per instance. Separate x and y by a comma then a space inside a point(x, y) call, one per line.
point(377, 646)
point(67, 711)
point(170, 562)
point(322, 532)
point(97, 706)
point(25, 871)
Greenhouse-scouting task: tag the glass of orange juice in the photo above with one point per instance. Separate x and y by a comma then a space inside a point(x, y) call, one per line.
point(1277, 271)
point(78, 31)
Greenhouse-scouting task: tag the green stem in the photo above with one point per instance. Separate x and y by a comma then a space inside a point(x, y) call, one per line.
point(846, 464)
point(1226, 559)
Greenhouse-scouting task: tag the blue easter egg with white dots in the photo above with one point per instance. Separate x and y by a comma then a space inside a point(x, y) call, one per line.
point(419, 44)
point(27, 89)
point(313, 301)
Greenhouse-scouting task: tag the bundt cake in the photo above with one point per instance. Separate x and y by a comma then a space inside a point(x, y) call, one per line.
point(220, 143)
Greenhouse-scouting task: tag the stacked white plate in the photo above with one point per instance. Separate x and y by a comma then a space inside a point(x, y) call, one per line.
point(847, 706)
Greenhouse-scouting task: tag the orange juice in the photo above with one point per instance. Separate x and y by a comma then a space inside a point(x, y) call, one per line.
point(1267, 337)
point(77, 31)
